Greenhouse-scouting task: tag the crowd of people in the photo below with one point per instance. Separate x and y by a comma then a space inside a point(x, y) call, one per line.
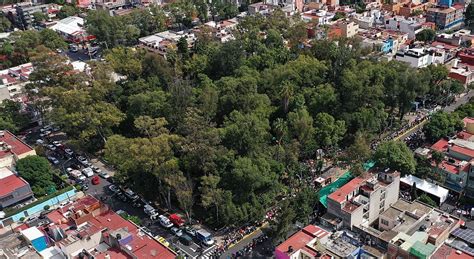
point(420, 117)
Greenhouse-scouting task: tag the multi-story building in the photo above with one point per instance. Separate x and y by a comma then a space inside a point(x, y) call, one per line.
point(13, 189)
point(348, 29)
point(24, 14)
point(446, 18)
point(415, 57)
point(12, 148)
point(405, 25)
point(363, 199)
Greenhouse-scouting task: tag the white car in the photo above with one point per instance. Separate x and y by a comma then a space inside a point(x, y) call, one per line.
point(69, 169)
point(84, 161)
point(68, 152)
point(178, 232)
point(51, 147)
point(45, 133)
point(39, 142)
point(165, 222)
point(104, 175)
point(96, 169)
point(88, 172)
point(57, 143)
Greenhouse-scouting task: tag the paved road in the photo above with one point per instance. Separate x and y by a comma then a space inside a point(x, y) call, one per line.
point(462, 100)
point(242, 244)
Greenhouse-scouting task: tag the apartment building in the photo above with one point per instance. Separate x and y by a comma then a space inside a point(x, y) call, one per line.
point(364, 198)
point(446, 18)
point(12, 148)
point(24, 14)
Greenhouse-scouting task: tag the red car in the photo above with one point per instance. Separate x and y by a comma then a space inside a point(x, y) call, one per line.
point(95, 180)
point(176, 220)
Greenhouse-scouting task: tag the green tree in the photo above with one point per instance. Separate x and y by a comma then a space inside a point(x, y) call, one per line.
point(211, 194)
point(396, 156)
point(426, 35)
point(329, 131)
point(5, 24)
point(442, 125)
point(284, 223)
point(67, 10)
point(37, 172)
point(469, 15)
point(359, 151)
point(427, 199)
point(52, 40)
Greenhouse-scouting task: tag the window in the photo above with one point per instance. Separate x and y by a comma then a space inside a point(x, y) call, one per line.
point(384, 222)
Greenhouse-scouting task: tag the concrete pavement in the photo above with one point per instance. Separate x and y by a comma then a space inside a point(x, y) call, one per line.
point(460, 101)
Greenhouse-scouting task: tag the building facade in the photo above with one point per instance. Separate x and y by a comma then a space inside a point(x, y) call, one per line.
point(446, 18)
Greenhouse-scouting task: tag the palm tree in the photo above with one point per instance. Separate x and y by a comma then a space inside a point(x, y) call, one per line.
point(286, 93)
point(281, 128)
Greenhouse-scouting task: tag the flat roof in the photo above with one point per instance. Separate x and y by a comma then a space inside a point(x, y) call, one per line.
point(32, 233)
point(425, 186)
point(391, 213)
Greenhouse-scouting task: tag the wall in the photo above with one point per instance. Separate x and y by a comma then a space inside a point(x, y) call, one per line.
point(374, 204)
point(39, 207)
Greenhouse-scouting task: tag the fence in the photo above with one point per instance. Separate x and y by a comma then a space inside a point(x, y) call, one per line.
point(38, 207)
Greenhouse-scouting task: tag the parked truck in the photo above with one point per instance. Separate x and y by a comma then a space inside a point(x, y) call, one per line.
point(205, 237)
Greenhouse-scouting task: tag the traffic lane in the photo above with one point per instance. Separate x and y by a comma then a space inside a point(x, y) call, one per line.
point(462, 100)
point(241, 244)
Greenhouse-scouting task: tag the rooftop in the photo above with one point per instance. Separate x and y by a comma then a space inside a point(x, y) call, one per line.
point(426, 186)
point(341, 194)
point(9, 182)
point(302, 238)
point(447, 252)
point(10, 144)
point(463, 150)
point(391, 213)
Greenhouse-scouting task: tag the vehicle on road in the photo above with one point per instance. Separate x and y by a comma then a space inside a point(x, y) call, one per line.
point(162, 240)
point(68, 151)
point(190, 231)
point(95, 180)
point(131, 195)
point(176, 231)
point(45, 133)
point(84, 161)
point(53, 160)
point(185, 240)
point(88, 172)
point(84, 187)
point(96, 169)
point(205, 237)
point(57, 143)
point(176, 220)
point(77, 175)
point(51, 147)
point(39, 142)
point(114, 189)
point(104, 175)
point(165, 222)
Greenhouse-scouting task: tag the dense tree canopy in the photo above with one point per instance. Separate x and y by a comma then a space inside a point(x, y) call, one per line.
point(227, 126)
point(37, 172)
point(442, 125)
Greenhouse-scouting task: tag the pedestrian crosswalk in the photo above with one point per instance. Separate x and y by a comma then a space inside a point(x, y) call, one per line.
point(208, 253)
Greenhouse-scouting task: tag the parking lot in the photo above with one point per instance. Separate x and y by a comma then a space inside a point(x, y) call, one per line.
point(55, 144)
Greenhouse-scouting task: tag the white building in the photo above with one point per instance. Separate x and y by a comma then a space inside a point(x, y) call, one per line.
point(400, 23)
point(416, 57)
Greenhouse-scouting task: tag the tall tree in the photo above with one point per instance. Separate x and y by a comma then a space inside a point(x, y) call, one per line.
point(396, 156)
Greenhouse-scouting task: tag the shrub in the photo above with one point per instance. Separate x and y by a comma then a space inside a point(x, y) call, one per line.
point(46, 207)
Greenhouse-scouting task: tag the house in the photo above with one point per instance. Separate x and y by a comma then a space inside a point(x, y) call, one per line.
point(13, 188)
point(305, 243)
point(90, 228)
point(12, 148)
point(72, 29)
point(163, 41)
point(405, 25)
point(348, 29)
point(464, 73)
point(362, 199)
point(415, 57)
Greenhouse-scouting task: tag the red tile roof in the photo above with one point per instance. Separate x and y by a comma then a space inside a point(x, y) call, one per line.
point(436, 44)
point(300, 239)
point(463, 150)
point(467, 120)
point(441, 145)
point(18, 147)
point(11, 183)
point(341, 193)
point(142, 246)
point(464, 135)
point(448, 252)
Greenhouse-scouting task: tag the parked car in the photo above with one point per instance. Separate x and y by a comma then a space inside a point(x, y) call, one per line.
point(121, 197)
point(114, 188)
point(88, 172)
point(176, 231)
point(190, 231)
point(39, 142)
point(45, 133)
point(57, 143)
point(96, 169)
point(68, 152)
point(51, 147)
point(69, 169)
point(53, 160)
point(148, 209)
point(84, 187)
point(84, 161)
point(165, 222)
point(104, 175)
point(95, 180)
point(131, 195)
point(176, 220)
point(185, 240)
